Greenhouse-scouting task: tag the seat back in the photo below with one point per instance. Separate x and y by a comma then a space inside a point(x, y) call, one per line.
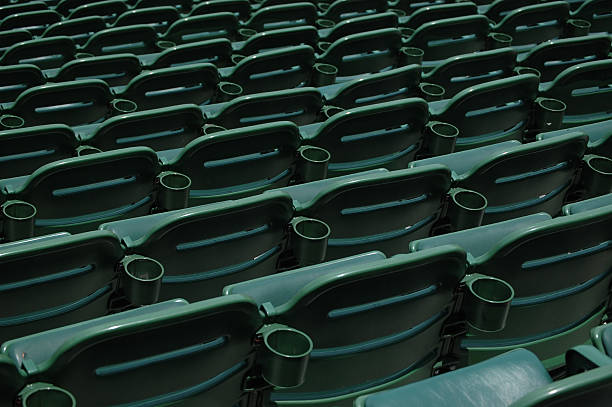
point(355, 25)
point(135, 39)
point(382, 135)
point(527, 179)
point(45, 53)
point(200, 28)
point(17, 78)
point(343, 9)
point(25, 150)
point(136, 359)
point(597, 12)
point(78, 30)
point(115, 70)
point(382, 211)
point(158, 17)
point(240, 162)
point(242, 8)
point(282, 37)
point(439, 12)
point(371, 324)
point(77, 194)
point(34, 21)
point(159, 129)
point(216, 51)
point(283, 16)
point(191, 243)
point(535, 24)
point(491, 112)
point(498, 9)
point(52, 282)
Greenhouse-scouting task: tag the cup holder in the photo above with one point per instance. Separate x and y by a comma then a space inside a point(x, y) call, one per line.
point(173, 190)
point(312, 163)
point(411, 55)
point(398, 12)
point(82, 55)
point(18, 220)
point(324, 74)
point(441, 137)
point(141, 279)
point(228, 91)
point(323, 45)
point(597, 175)
point(577, 27)
point(548, 114)
point(309, 240)
point(523, 70)
point(121, 106)
point(466, 208)
point(329, 111)
point(498, 40)
point(237, 58)
point(324, 23)
point(431, 92)
point(246, 33)
point(406, 32)
point(211, 128)
point(487, 302)
point(46, 395)
point(285, 355)
point(323, 6)
point(9, 121)
point(164, 44)
point(87, 150)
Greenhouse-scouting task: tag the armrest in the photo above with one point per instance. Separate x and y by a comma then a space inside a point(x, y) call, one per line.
point(587, 205)
point(585, 357)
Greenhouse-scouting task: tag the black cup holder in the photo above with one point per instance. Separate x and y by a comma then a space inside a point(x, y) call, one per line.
point(324, 74)
point(466, 208)
point(87, 150)
point(83, 55)
point(228, 91)
point(328, 111)
point(173, 190)
point(164, 44)
point(284, 355)
point(487, 302)
point(406, 32)
point(211, 128)
point(498, 40)
point(441, 137)
point(141, 279)
point(312, 163)
point(597, 175)
point(324, 23)
point(246, 33)
point(577, 27)
point(46, 395)
point(431, 92)
point(323, 45)
point(411, 55)
point(122, 106)
point(18, 220)
point(237, 58)
point(548, 114)
point(522, 70)
point(309, 240)
point(398, 12)
point(9, 121)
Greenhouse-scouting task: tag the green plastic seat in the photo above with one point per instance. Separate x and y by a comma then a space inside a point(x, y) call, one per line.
point(109, 10)
point(200, 28)
point(285, 68)
point(552, 57)
point(374, 325)
point(460, 72)
point(279, 38)
point(165, 87)
point(159, 18)
point(34, 21)
point(135, 356)
point(237, 163)
point(190, 243)
point(498, 9)
point(356, 25)
point(366, 52)
point(56, 280)
point(515, 379)
point(159, 129)
point(584, 88)
point(11, 37)
point(115, 70)
point(301, 106)
point(17, 78)
point(25, 150)
point(517, 179)
point(10, 9)
point(135, 39)
point(379, 211)
point(217, 51)
point(600, 136)
point(242, 8)
point(384, 135)
point(398, 83)
point(43, 52)
point(410, 6)
point(342, 9)
point(449, 37)
point(559, 270)
point(78, 194)
point(71, 103)
point(184, 6)
point(597, 12)
point(78, 29)
point(65, 7)
point(530, 24)
point(587, 204)
point(439, 12)
point(282, 16)
point(489, 112)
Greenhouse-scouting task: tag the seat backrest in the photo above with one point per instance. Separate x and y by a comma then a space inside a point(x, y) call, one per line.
point(585, 90)
point(191, 243)
point(25, 150)
point(343, 9)
point(355, 25)
point(365, 52)
point(115, 70)
point(242, 8)
point(200, 28)
point(136, 359)
point(159, 129)
point(462, 71)
point(78, 30)
point(282, 37)
point(109, 10)
point(301, 106)
point(491, 112)
point(51, 282)
point(158, 17)
point(382, 135)
point(370, 323)
point(439, 12)
point(597, 12)
point(77, 194)
point(380, 211)
point(285, 68)
point(527, 179)
point(283, 16)
point(137, 39)
point(34, 21)
point(498, 9)
point(17, 78)
point(535, 24)
point(216, 51)
point(45, 53)
point(449, 37)
point(173, 86)
point(552, 57)
point(240, 162)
